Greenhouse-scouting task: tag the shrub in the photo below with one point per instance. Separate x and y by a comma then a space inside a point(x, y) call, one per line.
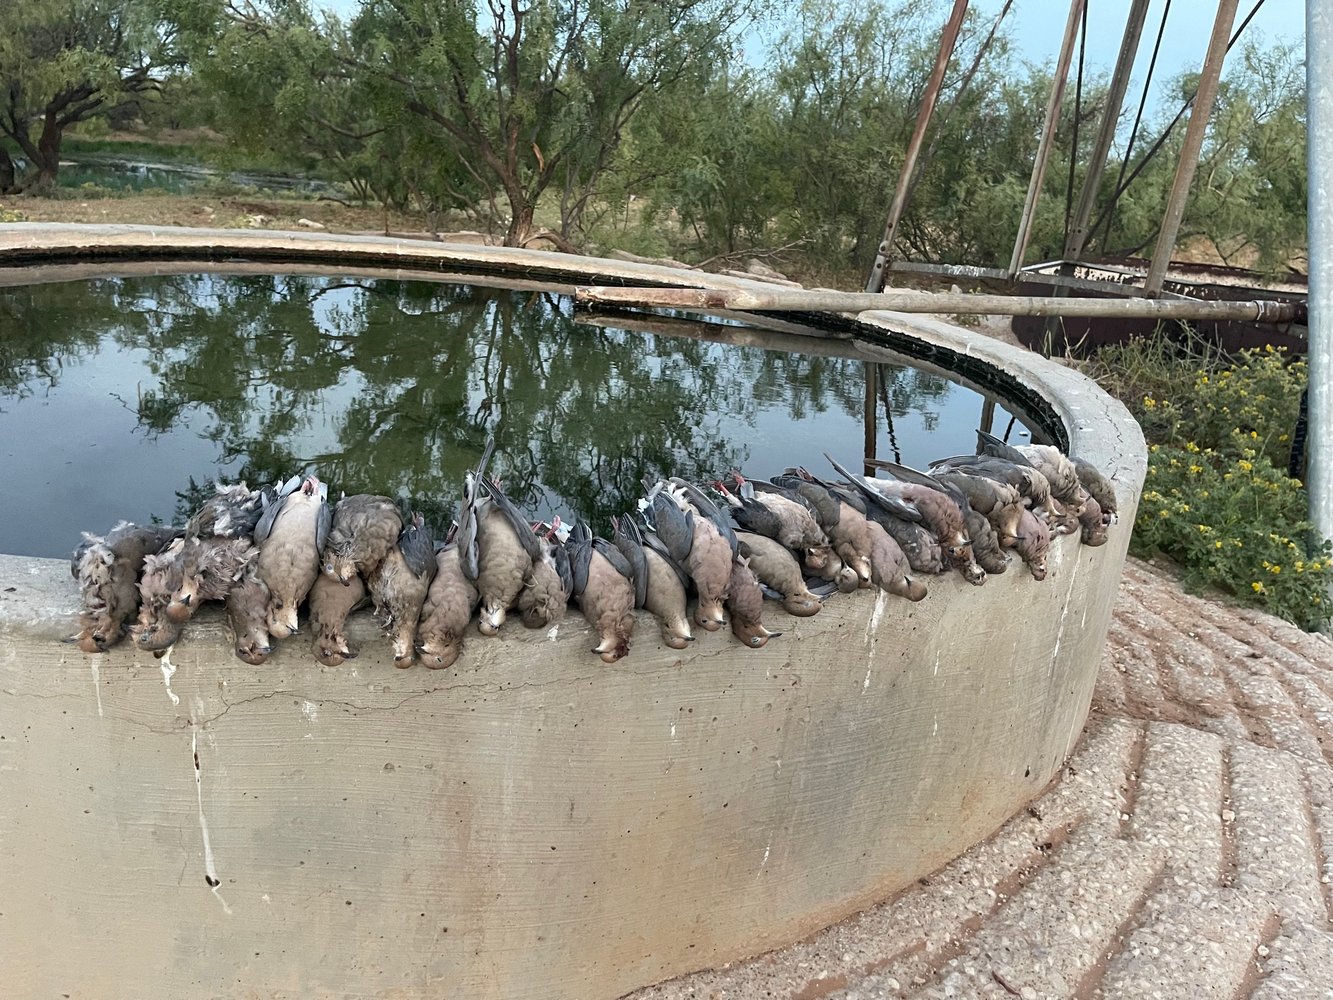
point(1235, 522)
point(1216, 500)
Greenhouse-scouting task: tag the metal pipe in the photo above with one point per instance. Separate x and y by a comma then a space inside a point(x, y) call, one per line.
point(1047, 137)
point(871, 414)
point(1192, 145)
point(908, 301)
point(1319, 139)
point(957, 98)
point(1115, 98)
point(928, 98)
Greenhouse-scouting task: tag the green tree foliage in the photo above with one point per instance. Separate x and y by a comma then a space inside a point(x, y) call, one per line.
point(708, 160)
point(648, 125)
point(462, 103)
point(1248, 201)
point(63, 62)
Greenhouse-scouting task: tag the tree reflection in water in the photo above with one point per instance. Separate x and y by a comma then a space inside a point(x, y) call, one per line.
point(391, 387)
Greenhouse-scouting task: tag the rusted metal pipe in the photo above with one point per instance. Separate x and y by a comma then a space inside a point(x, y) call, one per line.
point(1047, 137)
point(1191, 145)
point(1115, 97)
point(871, 409)
point(928, 98)
point(908, 301)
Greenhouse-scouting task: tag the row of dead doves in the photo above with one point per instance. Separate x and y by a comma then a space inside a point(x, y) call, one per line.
point(795, 538)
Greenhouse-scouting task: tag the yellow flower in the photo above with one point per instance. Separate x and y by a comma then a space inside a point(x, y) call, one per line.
point(1316, 566)
point(1245, 466)
point(1191, 446)
point(1257, 587)
point(1163, 513)
point(1149, 403)
point(1205, 530)
point(1217, 544)
point(1275, 568)
point(1300, 566)
point(1195, 469)
point(1254, 435)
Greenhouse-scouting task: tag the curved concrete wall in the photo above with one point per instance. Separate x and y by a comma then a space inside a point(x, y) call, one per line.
point(530, 823)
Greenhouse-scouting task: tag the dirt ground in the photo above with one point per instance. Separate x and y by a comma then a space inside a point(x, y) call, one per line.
point(240, 212)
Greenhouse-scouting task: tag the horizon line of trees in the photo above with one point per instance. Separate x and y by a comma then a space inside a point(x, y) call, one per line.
point(648, 126)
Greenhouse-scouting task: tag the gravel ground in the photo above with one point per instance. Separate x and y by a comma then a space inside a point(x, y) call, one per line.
point(1183, 852)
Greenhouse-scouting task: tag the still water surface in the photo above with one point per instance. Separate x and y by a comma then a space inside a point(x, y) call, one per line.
point(125, 397)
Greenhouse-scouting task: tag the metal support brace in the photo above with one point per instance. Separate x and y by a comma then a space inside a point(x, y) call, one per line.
point(1319, 150)
point(928, 98)
point(1047, 137)
point(1192, 144)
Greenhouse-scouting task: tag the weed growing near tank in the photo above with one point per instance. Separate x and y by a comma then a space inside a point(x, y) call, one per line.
point(1217, 498)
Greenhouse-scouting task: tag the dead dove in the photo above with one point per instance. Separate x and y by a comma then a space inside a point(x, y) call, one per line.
point(219, 547)
point(661, 584)
point(107, 570)
point(942, 507)
point(497, 546)
point(776, 567)
point(546, 587)
point(363, 531)
point(331, 601)
point(768, 509)
point(247, 614)
point(291, 534)
point(447, 611)
point(1098, 487)
point(745, 601)
point(1034, 543)
point(698, 545)
point(892, 571)
point(985, 543)
point(1050, 461)
point(844, 525)
point(603, 590)
point(1000, 503)
point(398, 587)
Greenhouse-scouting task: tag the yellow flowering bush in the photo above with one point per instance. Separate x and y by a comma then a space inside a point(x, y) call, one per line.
point(1217, 499)
point(1238, 524)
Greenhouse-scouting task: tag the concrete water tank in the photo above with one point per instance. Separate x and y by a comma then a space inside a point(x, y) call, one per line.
point(531, 823)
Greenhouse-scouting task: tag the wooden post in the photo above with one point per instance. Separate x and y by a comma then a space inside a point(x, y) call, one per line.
point(871, 412)
point(1192, 144)
point(1047, 137)
point(928, 98)
point(1124, 66)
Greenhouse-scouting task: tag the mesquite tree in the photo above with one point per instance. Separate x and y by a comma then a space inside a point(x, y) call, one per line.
point(63, 62)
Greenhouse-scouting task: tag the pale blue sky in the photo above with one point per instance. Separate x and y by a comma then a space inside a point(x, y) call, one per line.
point(1037, 26)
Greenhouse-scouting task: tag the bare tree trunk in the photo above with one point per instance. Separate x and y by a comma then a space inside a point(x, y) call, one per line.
point(6, 173)
point(520, 223)
point(47, 160)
